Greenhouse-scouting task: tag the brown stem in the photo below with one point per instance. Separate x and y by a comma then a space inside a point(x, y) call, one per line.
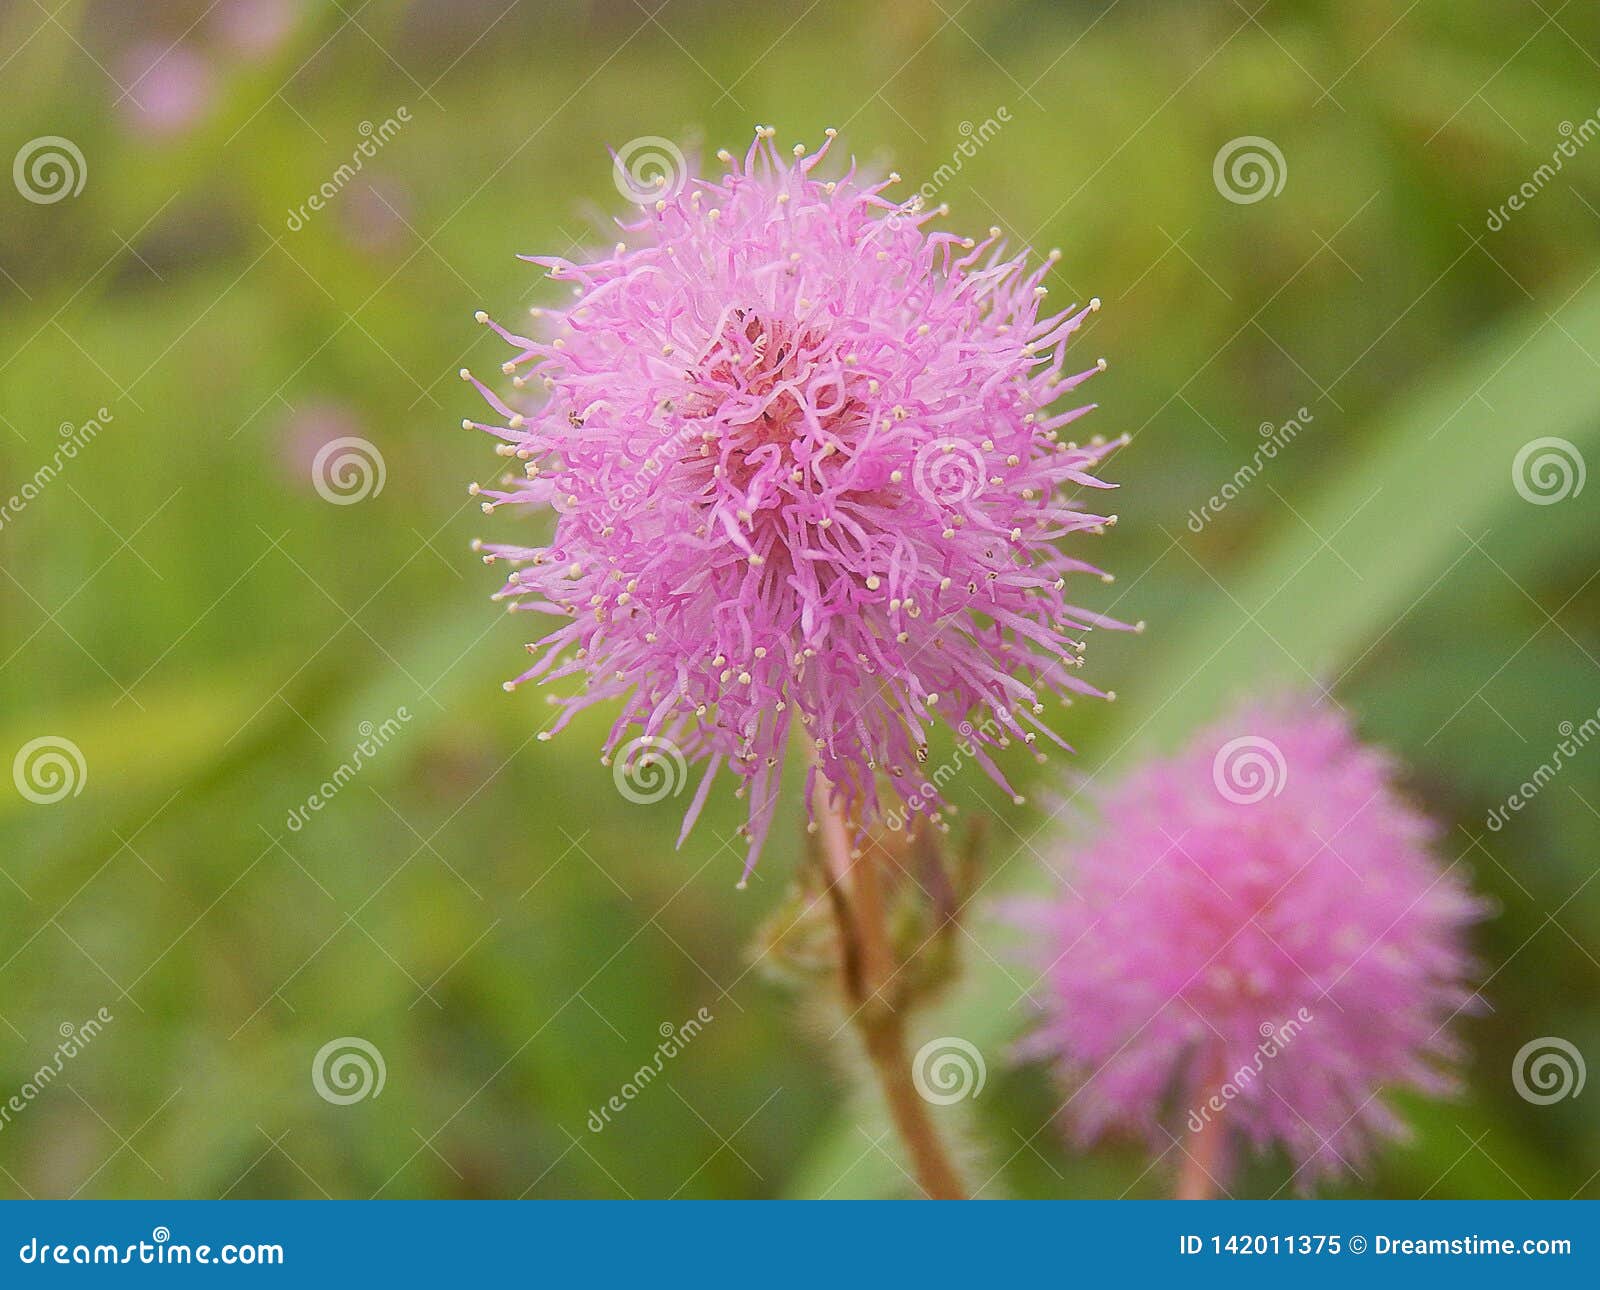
point(1201, 1159)
point(868, 966)
point(877, 955)
point(1202, 1152)
point(885, 1040)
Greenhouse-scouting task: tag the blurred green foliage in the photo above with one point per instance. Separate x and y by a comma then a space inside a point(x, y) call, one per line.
point(507, 931)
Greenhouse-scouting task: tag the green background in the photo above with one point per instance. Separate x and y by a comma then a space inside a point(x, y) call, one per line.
point(508, 931)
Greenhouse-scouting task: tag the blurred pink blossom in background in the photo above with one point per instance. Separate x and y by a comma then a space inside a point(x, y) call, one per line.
point(168, 88)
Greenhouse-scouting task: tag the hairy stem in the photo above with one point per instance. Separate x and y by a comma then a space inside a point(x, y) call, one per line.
point(867, 967)
point(885, 1041)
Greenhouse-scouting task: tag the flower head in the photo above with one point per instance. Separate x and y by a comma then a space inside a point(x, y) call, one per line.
point(1258, 936)
point(803, 466)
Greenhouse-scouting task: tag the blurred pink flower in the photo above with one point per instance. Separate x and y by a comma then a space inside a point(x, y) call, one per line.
point(802, 466)
point(375, 215)
point(310, 428)
point(168, 89)
point(1256, 944)
point(256, 27)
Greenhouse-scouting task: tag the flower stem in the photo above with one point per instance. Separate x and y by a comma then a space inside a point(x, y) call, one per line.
point(1196, 1180)
point(868, 967)
point(1202, 1152)
point(885, 1041)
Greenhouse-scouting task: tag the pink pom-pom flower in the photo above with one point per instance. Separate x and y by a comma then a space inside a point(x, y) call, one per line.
point(1255, 945)
point(803, 465)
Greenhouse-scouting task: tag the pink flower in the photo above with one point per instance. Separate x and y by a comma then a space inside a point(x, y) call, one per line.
point(307, 430)
point(256, 27)
point(1258, 943)
point(375, 215)
point(168, 87)
point(802, 466)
